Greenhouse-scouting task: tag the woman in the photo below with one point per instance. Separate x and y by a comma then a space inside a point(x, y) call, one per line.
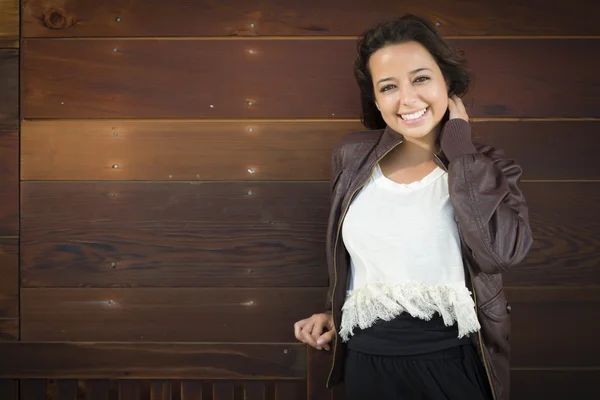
point(422, 223)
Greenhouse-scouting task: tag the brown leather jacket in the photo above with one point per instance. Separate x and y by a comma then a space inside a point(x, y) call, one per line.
point(492, 219)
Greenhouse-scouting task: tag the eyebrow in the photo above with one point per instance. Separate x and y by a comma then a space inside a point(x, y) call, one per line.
point(415, 71)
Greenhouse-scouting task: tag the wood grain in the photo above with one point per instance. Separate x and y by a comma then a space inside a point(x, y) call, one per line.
point(9, 183)
point(555, 327)
point(109, 78)
point(542, 317)
point(60, 18)
point(565, 219)
point(32, 389)
point(174, 234)
point(555, 385)
point(8, 389)
point(166, 315)
point(153, 361)
point(9, 24)
point(184, 150)
point(180, 234)
point(9, 329)
point(319, 365)
point(9, 279)
point(9, 86)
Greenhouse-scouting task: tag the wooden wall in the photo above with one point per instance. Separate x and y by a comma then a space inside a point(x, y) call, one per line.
point(167, 226)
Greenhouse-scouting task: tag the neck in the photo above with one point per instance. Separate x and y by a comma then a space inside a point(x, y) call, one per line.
point(415, 152)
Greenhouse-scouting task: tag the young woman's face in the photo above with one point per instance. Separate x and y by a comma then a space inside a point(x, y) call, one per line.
point(410, 90)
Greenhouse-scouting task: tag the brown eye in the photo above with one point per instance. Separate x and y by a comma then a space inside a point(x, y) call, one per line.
point(421, 79)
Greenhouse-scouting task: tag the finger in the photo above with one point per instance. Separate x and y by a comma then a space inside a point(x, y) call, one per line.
point(308, 339)
point(298, 329)
point(317, 330)
point(325, 338)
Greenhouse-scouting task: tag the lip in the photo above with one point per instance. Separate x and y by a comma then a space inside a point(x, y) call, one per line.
point(414, 121)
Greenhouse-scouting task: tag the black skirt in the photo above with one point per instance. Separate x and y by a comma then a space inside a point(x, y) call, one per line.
point(456, 373)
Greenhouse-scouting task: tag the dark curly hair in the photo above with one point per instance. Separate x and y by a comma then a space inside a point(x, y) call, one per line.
point(405, 29)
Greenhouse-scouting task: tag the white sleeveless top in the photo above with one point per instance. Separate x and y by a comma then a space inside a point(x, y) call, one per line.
point(405, 255)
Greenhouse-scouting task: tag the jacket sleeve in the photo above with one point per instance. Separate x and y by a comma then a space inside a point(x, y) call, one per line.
point(335, 172)
point(490, 209)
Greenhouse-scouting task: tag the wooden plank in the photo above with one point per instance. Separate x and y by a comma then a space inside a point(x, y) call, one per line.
point(223, 390)
point(191, 390)
point(166, 315)
point(96, 389)
point(318, 367)
point(8, 389)
point(73, 232)
point(9, 279)
point(33, 389)
point(555, 385)
point(160, 390)
point(109, 78)
point(295, 150)
point(565, 219)
point(67, 389)
point(9, 89)
point(174, 234)
point(290, 390)
point(9, 329)
point(9, 24)
point(130, 390)
point(179, 150)
point(59, 18)
point(9, 183)
point(254, 390)
point(563, 311)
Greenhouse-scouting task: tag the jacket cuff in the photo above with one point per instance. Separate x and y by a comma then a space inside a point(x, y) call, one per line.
point(456, 139)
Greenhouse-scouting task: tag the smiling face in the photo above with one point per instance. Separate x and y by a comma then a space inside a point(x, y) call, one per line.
point(410, 89)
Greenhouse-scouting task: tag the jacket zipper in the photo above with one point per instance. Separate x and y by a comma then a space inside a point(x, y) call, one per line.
point(485, 364)
point(337, 236)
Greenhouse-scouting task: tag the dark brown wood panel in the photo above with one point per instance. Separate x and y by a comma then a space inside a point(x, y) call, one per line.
point(179, 150)
point(555, 327)
point(153, 361)
point(174, 234)
point(319, 365)
point(542, 317)
point(9, 329)
point(290, 390)
point(59, 18)
point(9, 86)
point(67, 389)
point(9, 24)
point(110, 78)
point(166, 315)
point(555, 385)
point(32, 389)
point(217, 234)
point(9, 183)
point(8, 389)
point(160, 390)
point(565, 219)
point(131, 389)
point(9, 279)
point(295, 150)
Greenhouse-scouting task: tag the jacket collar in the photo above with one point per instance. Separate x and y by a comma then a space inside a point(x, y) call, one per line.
point(390, 139)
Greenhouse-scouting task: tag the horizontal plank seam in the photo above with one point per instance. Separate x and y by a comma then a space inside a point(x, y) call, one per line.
point(286, 120)
point(307, 37)
point(260, 181)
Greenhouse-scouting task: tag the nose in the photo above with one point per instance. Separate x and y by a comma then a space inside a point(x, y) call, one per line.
point(408, 94)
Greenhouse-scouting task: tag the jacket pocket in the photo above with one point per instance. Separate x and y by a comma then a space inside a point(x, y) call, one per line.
point(496, 313)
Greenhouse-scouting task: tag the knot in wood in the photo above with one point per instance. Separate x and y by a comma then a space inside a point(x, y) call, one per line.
point(57, 19)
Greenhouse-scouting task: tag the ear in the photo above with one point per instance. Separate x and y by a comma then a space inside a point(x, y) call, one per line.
point(377, 105)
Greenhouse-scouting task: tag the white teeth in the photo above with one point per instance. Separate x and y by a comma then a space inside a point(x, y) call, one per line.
point(413, 116)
